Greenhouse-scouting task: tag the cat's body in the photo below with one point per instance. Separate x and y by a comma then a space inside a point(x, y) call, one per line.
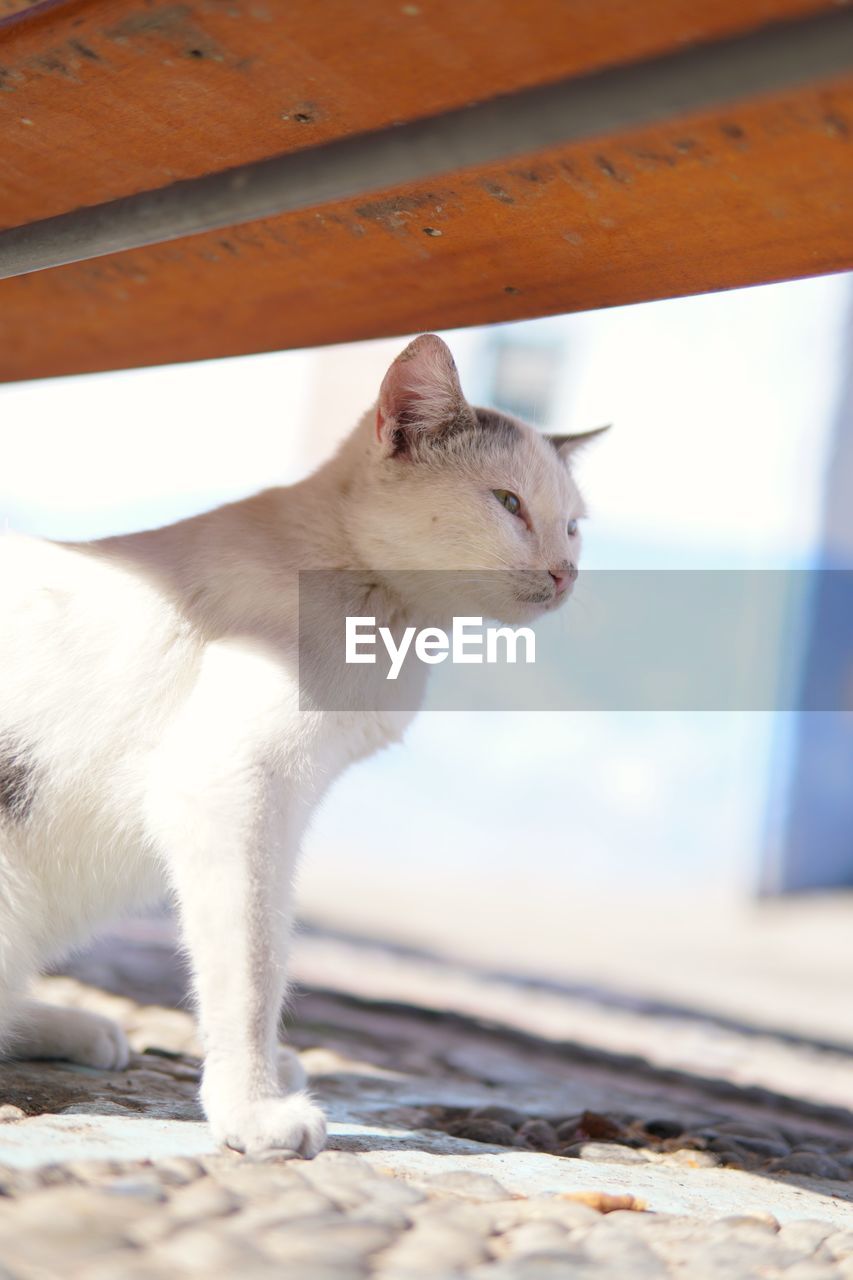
point(151, 734)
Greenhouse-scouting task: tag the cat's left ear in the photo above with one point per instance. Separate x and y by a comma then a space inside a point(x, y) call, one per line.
point(420, 395)
point(566, 446)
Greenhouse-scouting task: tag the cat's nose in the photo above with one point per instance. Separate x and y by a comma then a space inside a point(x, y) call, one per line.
point(563, 577)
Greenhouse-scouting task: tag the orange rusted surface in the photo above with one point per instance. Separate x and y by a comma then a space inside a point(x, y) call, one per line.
point(8, 7)
point(760, 194)
point(102, 98)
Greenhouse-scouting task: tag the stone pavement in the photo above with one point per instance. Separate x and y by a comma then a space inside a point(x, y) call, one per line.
point(479, 1128)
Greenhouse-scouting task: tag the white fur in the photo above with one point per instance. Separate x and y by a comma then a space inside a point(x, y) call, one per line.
point(149, 717)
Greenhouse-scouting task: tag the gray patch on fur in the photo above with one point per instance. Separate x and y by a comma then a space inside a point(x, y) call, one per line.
point(467, 426)
point(17, 781)
point(498, 427)
point(407, 438)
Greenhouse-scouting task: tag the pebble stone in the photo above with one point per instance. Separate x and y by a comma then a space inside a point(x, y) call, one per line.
point(811, 1269)
point(533, 1237)
point(539, 1135)
point(340, 1217)
point(626, 1139)
point(327, 1242)
point(811, 1165)
point(806, 1234)
point(430, 1247)
point(493, 1132)
point(840, 1244)
point(473, 1186)
point(202, 1201)
point(607, 1152)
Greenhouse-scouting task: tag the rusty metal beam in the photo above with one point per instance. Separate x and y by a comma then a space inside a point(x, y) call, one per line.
point(772, 60)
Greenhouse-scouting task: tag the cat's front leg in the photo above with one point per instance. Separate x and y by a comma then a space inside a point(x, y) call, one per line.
point(229, 827)
point(229, 832)
point(234, 887)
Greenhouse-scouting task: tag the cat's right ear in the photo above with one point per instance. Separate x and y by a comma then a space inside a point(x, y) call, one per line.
point(566, 446)
point(420, 395)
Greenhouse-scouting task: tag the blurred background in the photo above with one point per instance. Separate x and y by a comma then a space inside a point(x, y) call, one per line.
point(650, 853)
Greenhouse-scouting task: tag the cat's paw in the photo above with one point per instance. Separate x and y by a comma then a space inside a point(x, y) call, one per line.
point(291, 1073)
point(292, 1123)
point(73, 1035)
point(99, 1042)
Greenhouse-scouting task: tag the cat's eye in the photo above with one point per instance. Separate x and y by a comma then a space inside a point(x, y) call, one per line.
point(572, 528)
point(511, 501)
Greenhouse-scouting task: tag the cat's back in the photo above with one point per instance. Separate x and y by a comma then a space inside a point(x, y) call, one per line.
point(75, 626)
point(54, 591)
point(31, 566)
point(43, 586)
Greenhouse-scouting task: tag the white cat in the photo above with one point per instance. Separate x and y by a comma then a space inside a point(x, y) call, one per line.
point(150, 724)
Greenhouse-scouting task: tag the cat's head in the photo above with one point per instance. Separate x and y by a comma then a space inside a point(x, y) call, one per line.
point(447, 486)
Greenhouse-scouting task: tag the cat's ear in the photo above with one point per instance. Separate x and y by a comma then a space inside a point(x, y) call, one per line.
point(420, 395)
point(566, 446)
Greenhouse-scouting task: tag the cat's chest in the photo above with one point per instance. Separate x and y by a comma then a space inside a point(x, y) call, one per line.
point(346, 737)
point(383, 711)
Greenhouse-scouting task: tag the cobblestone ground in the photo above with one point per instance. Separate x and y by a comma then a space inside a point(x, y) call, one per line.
point(459, 1146)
